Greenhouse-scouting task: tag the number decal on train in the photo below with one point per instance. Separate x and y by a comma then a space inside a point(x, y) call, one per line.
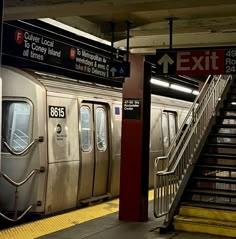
point(57, 112)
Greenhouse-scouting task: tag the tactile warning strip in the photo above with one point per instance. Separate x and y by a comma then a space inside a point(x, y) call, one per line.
point(52, 224)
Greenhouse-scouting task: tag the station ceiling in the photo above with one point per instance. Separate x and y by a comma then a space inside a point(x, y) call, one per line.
point(196, 23)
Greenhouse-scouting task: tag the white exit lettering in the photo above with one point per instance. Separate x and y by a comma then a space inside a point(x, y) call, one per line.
point(188, 61)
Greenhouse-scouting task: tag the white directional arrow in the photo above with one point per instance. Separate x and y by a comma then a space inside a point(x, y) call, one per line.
point(113, 71)
point(165, 61)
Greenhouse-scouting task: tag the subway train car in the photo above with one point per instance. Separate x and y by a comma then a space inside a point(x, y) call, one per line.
point(61, 141)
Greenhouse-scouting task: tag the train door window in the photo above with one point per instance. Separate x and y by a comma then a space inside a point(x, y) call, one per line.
point(169, 122)
point(16, 124)
point(172, 125)
point(86, 132)
point(165, 130)
point(101, 129)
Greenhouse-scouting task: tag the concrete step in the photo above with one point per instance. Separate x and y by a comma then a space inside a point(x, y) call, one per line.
point(206, 220)
point(208, 226)
point(208, 213)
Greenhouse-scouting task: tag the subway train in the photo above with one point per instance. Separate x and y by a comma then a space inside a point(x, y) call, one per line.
point(61, 141)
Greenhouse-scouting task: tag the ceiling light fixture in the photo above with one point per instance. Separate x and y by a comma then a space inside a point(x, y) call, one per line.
point(180, 88)
point(195, 92)
point(160, 82)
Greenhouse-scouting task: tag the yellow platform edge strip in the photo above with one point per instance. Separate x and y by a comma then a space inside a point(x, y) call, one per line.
point(52, 224)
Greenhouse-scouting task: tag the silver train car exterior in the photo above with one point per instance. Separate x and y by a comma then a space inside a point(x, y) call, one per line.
point(62, 139)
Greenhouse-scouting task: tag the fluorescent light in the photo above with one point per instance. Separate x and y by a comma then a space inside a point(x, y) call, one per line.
point(160, 82)
point(233, 103)
point(74, 30)
point(180, 88)
point(195, 92)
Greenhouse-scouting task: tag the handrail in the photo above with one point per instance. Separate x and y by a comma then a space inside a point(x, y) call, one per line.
point(13, 152)
point(11, 181)
point(173, 144)
point(169, 183)
point(193, 118)
point(17, 218)
point(18, 184)
point(186, 142)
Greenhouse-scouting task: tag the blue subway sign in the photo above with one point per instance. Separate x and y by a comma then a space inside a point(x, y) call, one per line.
point(119, 69)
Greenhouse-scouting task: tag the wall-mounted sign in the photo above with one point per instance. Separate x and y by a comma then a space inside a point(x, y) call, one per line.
point(196, 61)
point(132, 108)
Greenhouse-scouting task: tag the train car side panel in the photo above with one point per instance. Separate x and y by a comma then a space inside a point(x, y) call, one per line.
point(63, 152)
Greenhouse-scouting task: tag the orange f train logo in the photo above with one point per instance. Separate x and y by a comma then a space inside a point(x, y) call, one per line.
point(19, 36)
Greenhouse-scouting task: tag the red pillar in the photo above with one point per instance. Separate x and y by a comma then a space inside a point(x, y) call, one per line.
point(135, 142)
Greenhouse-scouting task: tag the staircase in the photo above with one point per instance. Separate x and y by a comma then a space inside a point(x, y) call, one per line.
point(188, 146)
point(209, 199)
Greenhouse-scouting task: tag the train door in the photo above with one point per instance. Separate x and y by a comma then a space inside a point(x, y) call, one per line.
point(94, 169)
point(169, 127)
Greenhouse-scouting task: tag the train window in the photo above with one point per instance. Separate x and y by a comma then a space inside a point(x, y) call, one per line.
point(16, 124)
point(86, 134)
point(169, 123)
point(165, 130)
point(172, 125)
point(101, 129)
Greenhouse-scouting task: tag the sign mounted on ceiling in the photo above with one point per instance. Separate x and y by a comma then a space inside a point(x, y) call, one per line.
point(196, 61)
point(46, 49)
point(120, 69)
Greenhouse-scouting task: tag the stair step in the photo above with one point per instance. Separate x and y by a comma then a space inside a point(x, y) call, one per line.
point(218, 167)
point(221, 145)
point(215, 179)
point(232, 97)
point(227, 126)
point(201, 211)
point(214, 206)
point(228, 109)
point(209, 226)
point(223, 156)
point(229, 102)
point(213, 192)
point(229, 105)
point(227, 117)
point(222, 135)
point(212, 201)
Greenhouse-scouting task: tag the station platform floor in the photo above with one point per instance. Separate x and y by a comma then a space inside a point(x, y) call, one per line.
point(96, 222)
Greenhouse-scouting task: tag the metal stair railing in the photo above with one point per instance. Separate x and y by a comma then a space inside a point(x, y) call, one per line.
point(188, 117)
point(170, 182)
